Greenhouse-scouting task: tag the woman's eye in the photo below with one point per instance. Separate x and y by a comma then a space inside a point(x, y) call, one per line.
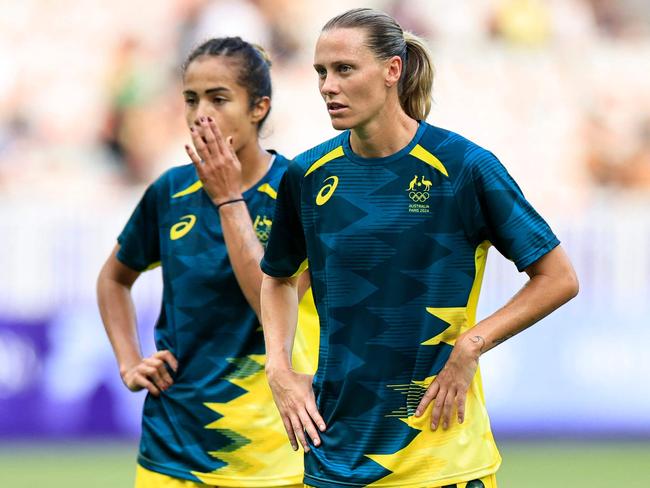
point(321, 73)
point(219, 101)
point(344, 68)
point(190, 101)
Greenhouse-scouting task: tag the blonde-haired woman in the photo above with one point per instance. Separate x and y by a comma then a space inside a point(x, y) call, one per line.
point(395, 217)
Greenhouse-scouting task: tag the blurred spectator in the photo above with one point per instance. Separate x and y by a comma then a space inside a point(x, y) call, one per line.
point(133, 131)
point(521, 22)
point(282, 17)
point(609, 16)
point(617, 157)
point(15, 131)
point(188, 16)
point(243, 18)
point(621, 18)
point(409, 15)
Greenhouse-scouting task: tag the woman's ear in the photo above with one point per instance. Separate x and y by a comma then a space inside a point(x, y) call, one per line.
point(260, 109)
point(393, 70)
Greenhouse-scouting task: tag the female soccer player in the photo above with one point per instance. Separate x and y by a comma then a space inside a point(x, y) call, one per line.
point(209, 416)
point(395, 217)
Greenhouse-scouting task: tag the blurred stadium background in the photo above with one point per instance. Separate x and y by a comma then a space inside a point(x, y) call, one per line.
point(91, 111)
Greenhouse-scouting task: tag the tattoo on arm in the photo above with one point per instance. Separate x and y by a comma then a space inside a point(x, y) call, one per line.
point(478, 340)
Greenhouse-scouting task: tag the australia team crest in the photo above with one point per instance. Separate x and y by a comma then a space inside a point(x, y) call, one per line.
point(262, 226)
point(418, 193)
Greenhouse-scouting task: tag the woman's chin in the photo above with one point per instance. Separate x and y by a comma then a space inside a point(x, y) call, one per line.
point(341, 124)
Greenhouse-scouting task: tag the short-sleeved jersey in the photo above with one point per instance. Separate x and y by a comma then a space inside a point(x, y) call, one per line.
point(397, 248)
point(217, 424)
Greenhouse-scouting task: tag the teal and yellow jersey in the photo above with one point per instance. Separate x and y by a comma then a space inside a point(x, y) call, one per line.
point(397, 248)
point(217, 424)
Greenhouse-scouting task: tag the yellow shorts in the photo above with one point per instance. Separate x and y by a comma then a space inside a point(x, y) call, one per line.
point(489, 481)
point(145, 478)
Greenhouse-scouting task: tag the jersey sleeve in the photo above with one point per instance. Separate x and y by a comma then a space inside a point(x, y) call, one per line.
point(140, 241)
point(286, 250)
point(503, 216)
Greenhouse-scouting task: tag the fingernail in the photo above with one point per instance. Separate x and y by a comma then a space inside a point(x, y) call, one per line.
point(444, 426)
point(321, 426)
point(316, 441)
point(418, 413)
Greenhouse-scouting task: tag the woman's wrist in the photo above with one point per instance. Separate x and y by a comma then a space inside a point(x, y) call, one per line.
point(228, 201)
point(277, 363)
point(127, 366)
point(470, 345)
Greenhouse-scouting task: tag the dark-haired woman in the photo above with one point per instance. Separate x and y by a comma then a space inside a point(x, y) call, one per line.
point(396, 217)
point(208, 418)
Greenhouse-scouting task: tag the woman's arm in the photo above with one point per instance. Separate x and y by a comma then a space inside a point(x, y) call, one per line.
point(244, 251)
point(220, 172)
point(292, 392)
point(552, 283)
point(118, 315)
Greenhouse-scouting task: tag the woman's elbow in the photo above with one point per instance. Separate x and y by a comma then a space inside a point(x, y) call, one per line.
point(571, 285)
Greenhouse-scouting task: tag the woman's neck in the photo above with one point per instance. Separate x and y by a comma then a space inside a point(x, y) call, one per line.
point(387, 133)
point(254, 164)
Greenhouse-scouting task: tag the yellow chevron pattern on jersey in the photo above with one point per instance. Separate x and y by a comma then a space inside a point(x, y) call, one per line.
point(456, 317)
point(243, 454)
point(414, 465)
point(415, 460)
point(243, 459)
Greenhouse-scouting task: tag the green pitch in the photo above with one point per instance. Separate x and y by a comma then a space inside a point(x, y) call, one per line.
point(525, 465)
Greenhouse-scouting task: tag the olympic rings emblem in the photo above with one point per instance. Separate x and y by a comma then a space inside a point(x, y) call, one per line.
point(419, 196)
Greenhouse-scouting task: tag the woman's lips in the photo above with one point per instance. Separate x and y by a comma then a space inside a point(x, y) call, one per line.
point(335, 108)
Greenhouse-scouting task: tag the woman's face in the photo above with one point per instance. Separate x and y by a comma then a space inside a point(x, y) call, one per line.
point(352, 81)
point(211, 89)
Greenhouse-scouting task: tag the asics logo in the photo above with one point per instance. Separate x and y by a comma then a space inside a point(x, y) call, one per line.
point(327, 190)
point(181, 228)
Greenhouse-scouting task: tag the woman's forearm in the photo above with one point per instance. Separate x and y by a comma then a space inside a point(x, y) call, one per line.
point(118, 313)
point(552, 283)
point(244, 251)
point(279, 319)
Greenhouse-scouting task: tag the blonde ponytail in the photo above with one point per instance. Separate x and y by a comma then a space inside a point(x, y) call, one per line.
point(417, 78)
